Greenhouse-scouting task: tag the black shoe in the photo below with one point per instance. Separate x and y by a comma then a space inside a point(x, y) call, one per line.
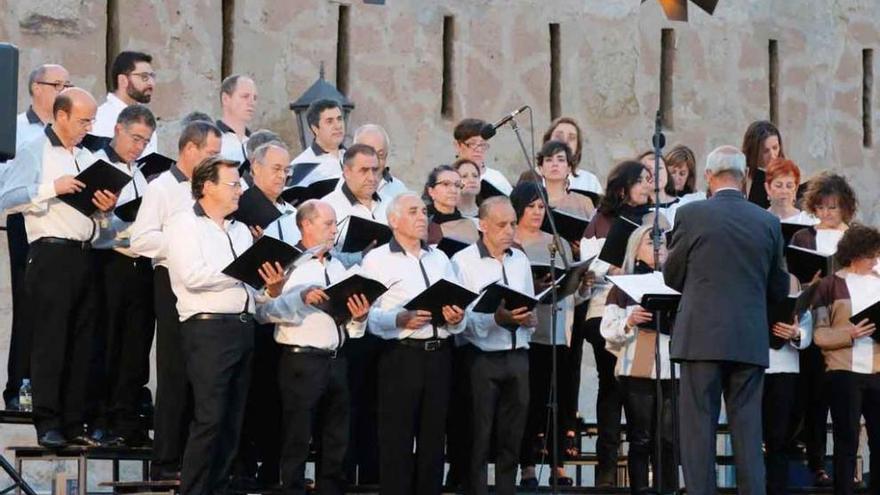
point(13, 405)
point(52, 439)
point(528, 483)
point(564, 481)
point(84, 441)
point(108, 438)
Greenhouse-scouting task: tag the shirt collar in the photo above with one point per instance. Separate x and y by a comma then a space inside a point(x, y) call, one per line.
point(177, 174)
point(318, 150)
point(484, 251)
point(53, 138)
point(326, 256)
point(225, 128)
point(200, 212)
point(112, 155)
point(32, 117)
point(386, 174)
point(115, 101)
point(395, 246)
point(346, 191)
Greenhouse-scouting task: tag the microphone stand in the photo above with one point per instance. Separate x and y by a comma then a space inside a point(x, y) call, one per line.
point(554, 249)
point(659, 141)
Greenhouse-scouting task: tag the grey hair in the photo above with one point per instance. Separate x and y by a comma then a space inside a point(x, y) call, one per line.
point(259, 154)
point(372, 128)
point(394, 205)
point(37, 74)
point(632, 248)
point(488, 203)
point(727, 159)
point(260, 138)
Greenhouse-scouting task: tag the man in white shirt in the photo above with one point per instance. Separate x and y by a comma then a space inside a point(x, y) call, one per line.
point(375, 136)
point(217, 328)
point(357, 195)
point(415, 369)
point(499, 361)
point(238, 102)
point(59, 282)
point(44, 84)
point(166, 196)
point(470, 144)
point(132, 81)
point(125, 284)
point(325, 120)
point(311, 343)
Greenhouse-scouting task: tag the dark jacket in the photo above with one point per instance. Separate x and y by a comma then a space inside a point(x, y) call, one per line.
point(726, 260)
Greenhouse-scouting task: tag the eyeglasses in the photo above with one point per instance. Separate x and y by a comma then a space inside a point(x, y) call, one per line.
point(477, 146)
point(144, 76)
point(234, 184)
point(59, 85)
point(137, 139)
point(279, 170)
point(449, 183)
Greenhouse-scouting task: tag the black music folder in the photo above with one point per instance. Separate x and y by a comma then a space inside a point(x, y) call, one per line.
point(361, 232)
point(804, 263)
point(614, 250)
point(487, 190)
point(154, 164)
point(872, 313)
point(790, 229)
point(570, 227)
point(266, 249)
point(451, 246)
point(781, 312)
point(541, 270)
point(441, 293)
point(94, 143)
point(338, 293)
point(128, 212)
point(566, 284)
point(316, 190)
point(256, 209)
point(494, 293)
point(99, 176)
point(594, 196)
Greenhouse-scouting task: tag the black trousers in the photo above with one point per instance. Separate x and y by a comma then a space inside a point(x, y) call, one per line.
point(609, 402)
point(813, 405)
point(414, 389)
point(538, 420)
point(125, 335)
point(260, 445)
point(19, 364)
point(780, 397)
point(458, 424)
point(702, 385)
point(218, 363)
point(853, 396)
point(362, 460)
point(500, 398)
point(174, 405)
point(314, 391)
point(642, 432)
point(61, 291)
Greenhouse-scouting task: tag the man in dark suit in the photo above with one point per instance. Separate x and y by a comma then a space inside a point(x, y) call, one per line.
point(726, 259)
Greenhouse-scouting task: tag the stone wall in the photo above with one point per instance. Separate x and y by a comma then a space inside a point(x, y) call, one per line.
point(610, 71)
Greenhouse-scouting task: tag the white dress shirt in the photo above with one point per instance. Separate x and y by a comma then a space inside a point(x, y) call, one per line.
point(232, 148)
point(303, 325)
point(787, 358)
point(476, 268)
point(198, 251)
point(115, 233)
point(28, 126)
point(406, 276)
point(329, 165)
point(166, 195)
point(105, 122)
point(389, 186)
point(29, 187)
point(345, 204)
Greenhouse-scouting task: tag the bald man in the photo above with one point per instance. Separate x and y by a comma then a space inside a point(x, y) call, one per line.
point(44, 84)
point(59, 283)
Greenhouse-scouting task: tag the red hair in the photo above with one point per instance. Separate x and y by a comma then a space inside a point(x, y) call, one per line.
point(780, 167)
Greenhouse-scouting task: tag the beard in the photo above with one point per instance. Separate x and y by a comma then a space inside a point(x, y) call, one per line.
point(139, 96)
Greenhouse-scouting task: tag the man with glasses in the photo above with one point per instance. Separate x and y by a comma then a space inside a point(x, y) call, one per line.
point(132, 80)
point(375, 136)
point(125, 281)
point(59, 282)
point(44, 84)
point(470, 145)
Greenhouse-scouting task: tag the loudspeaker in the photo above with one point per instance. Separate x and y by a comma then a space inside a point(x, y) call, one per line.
point(8, 99)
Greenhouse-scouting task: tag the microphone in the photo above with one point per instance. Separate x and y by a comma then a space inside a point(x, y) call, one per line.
point(488, 130)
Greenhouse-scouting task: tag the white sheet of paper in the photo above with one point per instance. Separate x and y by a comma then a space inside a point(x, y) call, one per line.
point(636, 286)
